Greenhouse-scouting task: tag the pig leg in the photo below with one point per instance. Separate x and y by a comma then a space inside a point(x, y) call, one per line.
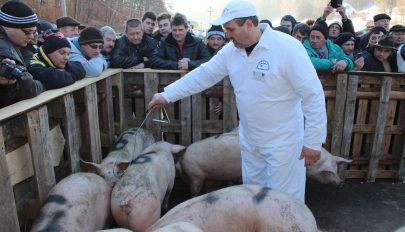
point(195, 186)
point(165, 205)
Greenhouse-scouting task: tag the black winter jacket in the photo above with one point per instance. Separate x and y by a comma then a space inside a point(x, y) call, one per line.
point(43, 69)
point(127, 54)
point(167, 54)
point(372, 64)
point(25, 87)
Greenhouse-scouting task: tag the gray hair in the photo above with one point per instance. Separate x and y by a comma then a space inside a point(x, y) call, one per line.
point(107, 30)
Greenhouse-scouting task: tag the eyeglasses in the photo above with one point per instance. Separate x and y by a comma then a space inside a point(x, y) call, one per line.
point(30, 32)
point(95, 46)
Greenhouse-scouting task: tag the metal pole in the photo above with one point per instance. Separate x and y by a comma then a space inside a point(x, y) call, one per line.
point(63, 6)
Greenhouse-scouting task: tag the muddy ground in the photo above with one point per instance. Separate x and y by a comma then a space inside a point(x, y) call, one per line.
point(355, 207)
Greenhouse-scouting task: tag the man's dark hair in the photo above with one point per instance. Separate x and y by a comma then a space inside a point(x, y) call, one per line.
point(302, 28)
point(149, 15)
point(179, 19)
point(163, 16)
point(132, 23)
point(241, 21)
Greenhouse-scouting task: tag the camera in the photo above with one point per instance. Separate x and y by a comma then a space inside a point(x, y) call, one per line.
point(335, 3)
point(11, 71)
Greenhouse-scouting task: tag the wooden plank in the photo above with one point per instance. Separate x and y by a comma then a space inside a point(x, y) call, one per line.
point(107, 111)
point(72, 146)
point(338, 117)
point(360, 121)
point(185, 121)
point(380, 126)
point(118, 84)
point(49, 95)
point(39, 140)
point(348, 122)
point(386, 143)
point(372, 121)
point(401, 174)
point(229, 111)
point(151, 81)
point(8, 212)
point(196, 118)
point(93, 123)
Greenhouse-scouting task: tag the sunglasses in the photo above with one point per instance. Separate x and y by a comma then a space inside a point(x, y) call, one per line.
point(95, 46)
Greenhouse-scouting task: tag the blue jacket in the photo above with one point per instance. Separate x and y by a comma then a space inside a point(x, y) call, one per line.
point(93, 66)
point(335, 52)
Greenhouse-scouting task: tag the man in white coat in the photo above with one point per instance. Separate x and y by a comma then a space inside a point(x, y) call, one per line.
point(276, 88)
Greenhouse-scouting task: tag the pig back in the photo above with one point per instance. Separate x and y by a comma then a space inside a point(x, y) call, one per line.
point(79, 202)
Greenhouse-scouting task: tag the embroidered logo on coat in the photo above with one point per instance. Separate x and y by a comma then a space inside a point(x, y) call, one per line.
point(263, 65)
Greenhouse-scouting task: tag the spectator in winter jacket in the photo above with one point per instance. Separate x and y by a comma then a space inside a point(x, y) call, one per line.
point(109, 37)
point(215, 39)
point(346, 41)
point(134, 49)
point(398, 34)
point(68, 26)
point(324, 54)
point(379, 58)
point(51, 64)
point(180, 50)
point(289, 22)
point(148, 22)
point(164, 24)
point(301, 31)
point(17, 27)
point(86, 49)
point(380, 20)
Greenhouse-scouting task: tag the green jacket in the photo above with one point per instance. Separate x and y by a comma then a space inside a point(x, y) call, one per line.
point(335, 52)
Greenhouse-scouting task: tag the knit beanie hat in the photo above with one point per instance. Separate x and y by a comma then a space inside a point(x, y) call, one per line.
point(90, 35)
point(336, 23)
point(344, 37)
point(54, 42)
point(216, 30)
point(17, 14)
point(321, 27)
point(43, 26)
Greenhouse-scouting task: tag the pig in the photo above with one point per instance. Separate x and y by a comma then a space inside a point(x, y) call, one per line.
point(137, 197)
point(179, 227)
point(214, 158)
point(248, 208)
point(128, 146)
point(218, 158)
point(79, 202)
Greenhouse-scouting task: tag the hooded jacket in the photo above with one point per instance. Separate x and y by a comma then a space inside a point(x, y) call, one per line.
point(51, 77)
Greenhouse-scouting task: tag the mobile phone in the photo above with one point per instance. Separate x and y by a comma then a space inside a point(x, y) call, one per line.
point(335, 3)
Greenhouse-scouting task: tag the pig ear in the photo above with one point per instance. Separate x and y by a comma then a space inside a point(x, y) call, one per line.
point(122, 166)
point(90, 167)
point(339, 159)
point(178, 150)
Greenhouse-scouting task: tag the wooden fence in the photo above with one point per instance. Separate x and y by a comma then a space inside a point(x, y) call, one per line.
point(42, 139)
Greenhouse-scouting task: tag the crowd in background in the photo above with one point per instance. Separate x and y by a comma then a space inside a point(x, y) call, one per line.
point(37, 55)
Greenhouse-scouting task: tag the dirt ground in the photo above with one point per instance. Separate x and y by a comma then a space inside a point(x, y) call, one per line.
point(357, 206)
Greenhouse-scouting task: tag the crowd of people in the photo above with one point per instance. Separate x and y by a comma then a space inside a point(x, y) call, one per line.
point(38, 55)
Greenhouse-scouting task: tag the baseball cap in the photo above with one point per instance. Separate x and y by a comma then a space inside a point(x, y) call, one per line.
point(235, 9)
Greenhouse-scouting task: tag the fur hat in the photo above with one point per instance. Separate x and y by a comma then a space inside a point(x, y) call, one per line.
point(344, 37)
point(17, 14)
point(54, 42)
point(216, 30)
point(90, 35)
point(321, 27)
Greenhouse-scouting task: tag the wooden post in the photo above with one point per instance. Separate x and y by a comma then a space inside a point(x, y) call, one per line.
point(348, 122)
point(380, 128)
point(107, 112)
point(151, 81)
point(197, 117)
point(41, 151)
point(338, 123)
point(118, 82)
point(8, 212)
point(72, 145)
point(185, 119)
point(230, 114)
point(401, 174)
point(93, 122)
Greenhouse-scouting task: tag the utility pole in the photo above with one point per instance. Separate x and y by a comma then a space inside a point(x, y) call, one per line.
point(63, 6)
point(210, 11)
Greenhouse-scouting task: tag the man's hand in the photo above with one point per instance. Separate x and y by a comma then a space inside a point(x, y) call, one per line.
point(6, 81)
point(310, 156)
point(157, 101)
point(326, 12)
point(183, 63)
point(138, 66)
point(342, 11)
point(359, 62)
point(339, 66)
